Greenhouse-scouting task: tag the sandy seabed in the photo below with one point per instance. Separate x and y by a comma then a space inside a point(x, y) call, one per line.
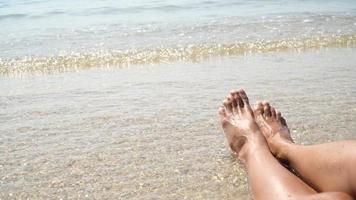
point(151, 132)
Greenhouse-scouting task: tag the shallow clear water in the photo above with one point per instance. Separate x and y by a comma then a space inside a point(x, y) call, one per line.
point(118, 99)
point(149, 132)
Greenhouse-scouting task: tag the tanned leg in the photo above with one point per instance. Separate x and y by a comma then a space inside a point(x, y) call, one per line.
point(325, 167)
point(268, 179)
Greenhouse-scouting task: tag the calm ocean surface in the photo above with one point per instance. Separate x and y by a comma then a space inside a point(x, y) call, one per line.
point(118, 99)
point(41, 36)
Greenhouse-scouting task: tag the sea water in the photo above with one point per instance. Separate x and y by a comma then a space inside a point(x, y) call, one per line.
point(118, 99)
point(54, 36)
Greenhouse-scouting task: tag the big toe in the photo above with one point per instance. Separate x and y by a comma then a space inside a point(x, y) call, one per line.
point(245, 100)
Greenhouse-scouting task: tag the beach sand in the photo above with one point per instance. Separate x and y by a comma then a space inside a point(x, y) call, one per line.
point(151, 132)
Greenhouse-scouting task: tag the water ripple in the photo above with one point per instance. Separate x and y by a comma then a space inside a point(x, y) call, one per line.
point(191, 53)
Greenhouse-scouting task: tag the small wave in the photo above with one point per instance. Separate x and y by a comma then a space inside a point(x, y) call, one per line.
point(48, 14)
point(9, 16)
point(55, 12)
point(134, 9)
point(190, 53)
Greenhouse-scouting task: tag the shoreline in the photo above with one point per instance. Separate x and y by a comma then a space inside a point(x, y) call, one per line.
point(193, 53)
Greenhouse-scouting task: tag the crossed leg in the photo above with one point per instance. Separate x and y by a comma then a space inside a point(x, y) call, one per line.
point(268, 179)
point(325, 167)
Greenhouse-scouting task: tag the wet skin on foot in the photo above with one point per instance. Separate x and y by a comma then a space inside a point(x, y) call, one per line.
point(237, 120)
point(274, 128)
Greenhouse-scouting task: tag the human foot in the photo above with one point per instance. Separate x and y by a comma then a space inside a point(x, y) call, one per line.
point(274, 127)
point(237, 120)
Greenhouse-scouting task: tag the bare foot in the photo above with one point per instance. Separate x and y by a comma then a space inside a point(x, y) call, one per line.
point(238, 123)
point(274, 127)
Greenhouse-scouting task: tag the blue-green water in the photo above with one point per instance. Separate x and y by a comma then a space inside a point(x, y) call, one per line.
point(38, 30)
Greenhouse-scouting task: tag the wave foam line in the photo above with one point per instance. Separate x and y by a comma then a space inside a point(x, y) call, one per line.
point(192, 53)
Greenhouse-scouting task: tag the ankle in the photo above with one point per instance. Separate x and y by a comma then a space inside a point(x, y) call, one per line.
point(253, 146)
point(282, 149)
point(256, 152)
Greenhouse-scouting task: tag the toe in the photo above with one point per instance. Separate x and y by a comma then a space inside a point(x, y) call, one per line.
point(228, 105)
point(244, 97)
point(278, 115)
point(233, 93)
point(222, 112)
point(223, 117)
point(258, 108)
point(239, 102)
point(267, 109)
point(283, 121)
point(273, 112)
point(233, 103)
point(280, 118)
point(245, 100)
